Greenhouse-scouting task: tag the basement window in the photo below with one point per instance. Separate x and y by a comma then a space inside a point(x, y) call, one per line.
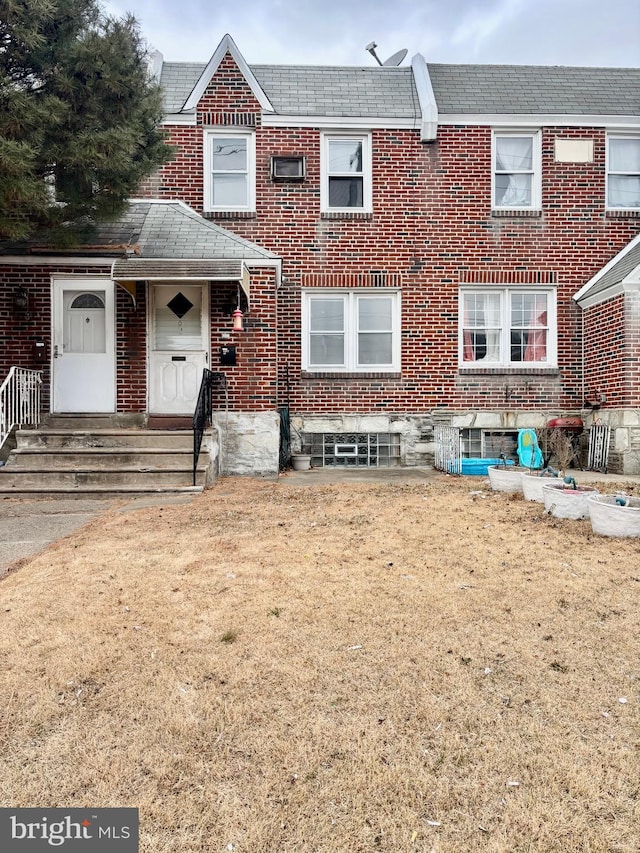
point(353, 450)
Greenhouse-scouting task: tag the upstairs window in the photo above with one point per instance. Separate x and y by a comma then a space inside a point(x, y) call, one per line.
point(516, 171)
point(229, 171)
point(623, 172)
point(346, 173)
point(507, 328)
point(351, 331)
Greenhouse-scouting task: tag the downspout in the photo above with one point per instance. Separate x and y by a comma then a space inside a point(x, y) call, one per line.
point(426, 99)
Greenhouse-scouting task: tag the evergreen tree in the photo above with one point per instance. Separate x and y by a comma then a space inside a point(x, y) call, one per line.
point(79, 116)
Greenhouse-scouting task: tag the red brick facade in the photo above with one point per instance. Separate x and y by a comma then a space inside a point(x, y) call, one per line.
point(432, 227)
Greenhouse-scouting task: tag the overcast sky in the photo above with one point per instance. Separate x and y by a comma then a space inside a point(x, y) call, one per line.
point(335, 32)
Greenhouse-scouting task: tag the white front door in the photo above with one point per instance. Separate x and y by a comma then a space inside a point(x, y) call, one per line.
point(84, 357)
point(178, 346)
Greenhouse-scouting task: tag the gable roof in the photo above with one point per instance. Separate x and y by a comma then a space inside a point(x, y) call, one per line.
point(607, 282)
point(227, 45)
point(387, 92)
point(531, 89)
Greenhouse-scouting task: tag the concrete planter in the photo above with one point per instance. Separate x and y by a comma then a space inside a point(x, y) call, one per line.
point(610, 519)
point(562, 501)
point(506, 479)
point(301, 461)
point(532, 486)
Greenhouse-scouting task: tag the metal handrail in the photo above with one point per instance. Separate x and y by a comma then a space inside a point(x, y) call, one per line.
point(19, 400)
point(204, 411)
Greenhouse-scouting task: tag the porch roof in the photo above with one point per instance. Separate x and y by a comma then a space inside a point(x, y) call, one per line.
point(155, 236)
point(162, 230)
point(622, 269)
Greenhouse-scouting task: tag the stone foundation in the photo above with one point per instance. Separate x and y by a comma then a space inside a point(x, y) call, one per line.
point(249, 442)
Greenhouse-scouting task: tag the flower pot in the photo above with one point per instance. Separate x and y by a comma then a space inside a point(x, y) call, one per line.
point(301, 461)
point(532, 486)
point(610, 519)
point(506, 478)
point(562, 501)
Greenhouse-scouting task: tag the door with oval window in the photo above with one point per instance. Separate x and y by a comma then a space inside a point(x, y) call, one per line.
point(83, 363)
point(178, 346)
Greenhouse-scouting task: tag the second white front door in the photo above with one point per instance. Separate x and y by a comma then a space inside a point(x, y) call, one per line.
point(178, 346)
point(84, 359)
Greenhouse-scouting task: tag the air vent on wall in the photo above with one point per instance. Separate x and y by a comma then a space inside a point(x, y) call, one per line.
point(287, 168)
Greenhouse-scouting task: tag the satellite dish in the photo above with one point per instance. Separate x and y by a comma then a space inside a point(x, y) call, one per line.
point(393, 61)
point(396, 59)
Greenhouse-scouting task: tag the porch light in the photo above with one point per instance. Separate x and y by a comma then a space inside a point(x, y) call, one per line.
point(20, 299)
point(237, 320)
point(237, 315)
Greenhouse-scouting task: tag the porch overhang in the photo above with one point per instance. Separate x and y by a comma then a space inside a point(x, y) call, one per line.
point(126, 271)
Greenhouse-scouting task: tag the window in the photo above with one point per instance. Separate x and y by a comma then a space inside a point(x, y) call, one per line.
point(230, 171)
point(507, 327)
point(346, 173)
point(351, 331)
point(516, 171)
point(623, 172)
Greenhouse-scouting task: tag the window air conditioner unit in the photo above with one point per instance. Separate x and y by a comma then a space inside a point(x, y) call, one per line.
point(287, 168)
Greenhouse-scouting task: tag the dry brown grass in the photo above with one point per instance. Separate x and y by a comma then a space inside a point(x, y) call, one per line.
point(339, 668)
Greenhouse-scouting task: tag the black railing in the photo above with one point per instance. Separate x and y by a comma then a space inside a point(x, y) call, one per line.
point(285, 437)
point(204, 411)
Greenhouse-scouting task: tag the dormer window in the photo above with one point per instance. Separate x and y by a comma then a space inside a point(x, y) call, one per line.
point(229, 158)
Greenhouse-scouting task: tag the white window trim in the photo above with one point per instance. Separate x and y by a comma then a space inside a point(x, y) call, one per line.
point(250, 136)
point(608, 171)
point(351, 331)
point(536, 183)
point(505, 331)
point(367, 193)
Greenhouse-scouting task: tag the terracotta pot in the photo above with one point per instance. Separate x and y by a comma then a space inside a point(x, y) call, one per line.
point(610, 519)
point(562, 501)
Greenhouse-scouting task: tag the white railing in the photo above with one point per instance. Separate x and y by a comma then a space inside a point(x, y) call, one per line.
point(19, 400)
point(448, 450)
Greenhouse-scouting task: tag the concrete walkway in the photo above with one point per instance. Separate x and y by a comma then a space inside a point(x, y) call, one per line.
point(28, 526)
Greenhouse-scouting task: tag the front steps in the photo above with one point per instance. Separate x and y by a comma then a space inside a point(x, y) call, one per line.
point(93, 456)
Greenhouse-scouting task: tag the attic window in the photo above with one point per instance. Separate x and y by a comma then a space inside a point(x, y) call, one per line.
point(287, 168)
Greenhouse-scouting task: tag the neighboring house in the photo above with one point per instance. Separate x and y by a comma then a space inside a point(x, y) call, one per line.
point(410, 246)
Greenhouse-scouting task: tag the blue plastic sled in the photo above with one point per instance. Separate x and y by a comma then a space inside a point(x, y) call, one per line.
point(529, 454)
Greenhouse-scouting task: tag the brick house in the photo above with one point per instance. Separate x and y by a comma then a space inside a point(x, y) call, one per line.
point(409, 246)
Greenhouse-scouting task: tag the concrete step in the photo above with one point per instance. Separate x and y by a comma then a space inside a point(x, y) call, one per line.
point(103, 455)
point(67, 458)
point(10, 477)
point(94, 491)
point(107, 438)
point(92, 421)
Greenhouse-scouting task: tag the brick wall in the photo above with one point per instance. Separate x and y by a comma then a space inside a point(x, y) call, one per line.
point(431, 225)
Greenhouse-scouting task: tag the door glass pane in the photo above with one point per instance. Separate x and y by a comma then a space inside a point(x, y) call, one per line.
point(173, 332)
point(84, 322)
